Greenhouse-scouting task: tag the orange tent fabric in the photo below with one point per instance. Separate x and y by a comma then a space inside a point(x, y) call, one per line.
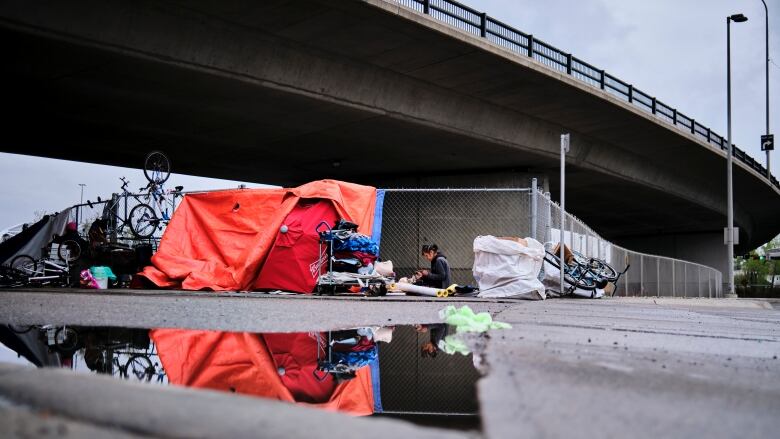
point(219, 240)
point(241, 363)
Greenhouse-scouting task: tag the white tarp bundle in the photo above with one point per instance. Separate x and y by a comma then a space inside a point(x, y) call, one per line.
point(506, 268)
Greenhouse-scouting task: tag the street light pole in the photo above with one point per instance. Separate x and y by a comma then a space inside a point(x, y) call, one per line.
point(562, 260)
point(81, 201)
point(737, 18)
point(766, 10)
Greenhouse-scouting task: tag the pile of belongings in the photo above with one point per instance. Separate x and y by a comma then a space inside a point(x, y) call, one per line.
point(353, 252)
point(351, 350)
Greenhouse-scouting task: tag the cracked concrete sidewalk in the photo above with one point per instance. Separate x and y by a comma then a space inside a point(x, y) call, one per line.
point(643, 367)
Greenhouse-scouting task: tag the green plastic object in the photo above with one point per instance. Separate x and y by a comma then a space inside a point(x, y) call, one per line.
point(102, 272)
point(453, 344)
point(465, 320)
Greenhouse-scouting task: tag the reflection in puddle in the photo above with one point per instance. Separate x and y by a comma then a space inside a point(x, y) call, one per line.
point(360, 371)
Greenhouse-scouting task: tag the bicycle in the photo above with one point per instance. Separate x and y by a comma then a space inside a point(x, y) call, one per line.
point(144, 218)
point(584, 272)
point(42, 271)
point(119, 202)
point(157, 167)
point(11, 278)
point(64, 339)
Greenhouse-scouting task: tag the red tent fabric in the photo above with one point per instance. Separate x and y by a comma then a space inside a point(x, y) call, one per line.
point(295, 357)
point(220, 240)
point(249, 364)
point(294, 260)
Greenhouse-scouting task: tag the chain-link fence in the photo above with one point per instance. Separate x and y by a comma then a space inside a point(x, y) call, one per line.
point(411, 383)
point(452, 218)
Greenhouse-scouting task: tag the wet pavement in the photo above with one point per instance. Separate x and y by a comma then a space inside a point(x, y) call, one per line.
point(251, 312)
point(612, 367)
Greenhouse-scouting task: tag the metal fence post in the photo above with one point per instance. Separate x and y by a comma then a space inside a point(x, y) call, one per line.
point(483, 24)
point(588, 253)
point(534, 208)
point(698, 281)
point(531, 46)
point(548, 217)
point(674, 284)
point(709, 284)
point(603, 83)
point(626, 283)
point(685, 280)
point(426, 6)
point(642, 275)
point(568, 63)
point(630, 93)
point(571, 233)
point(657, 277)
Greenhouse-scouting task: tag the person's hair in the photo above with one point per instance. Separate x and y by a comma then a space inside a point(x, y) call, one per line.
point(430, 248)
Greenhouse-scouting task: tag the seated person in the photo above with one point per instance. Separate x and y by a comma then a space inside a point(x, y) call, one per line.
point(439, 276)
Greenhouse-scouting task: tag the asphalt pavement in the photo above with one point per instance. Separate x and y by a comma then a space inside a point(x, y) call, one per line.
point(646, 367)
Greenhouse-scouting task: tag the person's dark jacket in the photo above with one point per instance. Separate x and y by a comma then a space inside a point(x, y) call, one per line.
point(440, 275)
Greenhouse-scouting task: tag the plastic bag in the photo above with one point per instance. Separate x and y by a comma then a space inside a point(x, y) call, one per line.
point(507, 268)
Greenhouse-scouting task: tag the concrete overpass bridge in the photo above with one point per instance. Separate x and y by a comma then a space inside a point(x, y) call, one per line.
point(379, 91)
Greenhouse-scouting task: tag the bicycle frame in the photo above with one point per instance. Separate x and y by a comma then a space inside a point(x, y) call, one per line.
point(47, 270)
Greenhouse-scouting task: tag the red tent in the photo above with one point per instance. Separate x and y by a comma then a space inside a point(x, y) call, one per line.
point(233, 240)
point(250, 364)
point(220, 240)
point(294, 260)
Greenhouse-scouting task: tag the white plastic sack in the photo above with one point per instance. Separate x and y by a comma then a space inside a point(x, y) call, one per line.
point(552, 282)
point(504, 268)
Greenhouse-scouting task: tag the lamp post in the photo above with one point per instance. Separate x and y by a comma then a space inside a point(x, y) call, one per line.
point(736, 18)
point(766, 11)
point(81, 201)
point(562, 260)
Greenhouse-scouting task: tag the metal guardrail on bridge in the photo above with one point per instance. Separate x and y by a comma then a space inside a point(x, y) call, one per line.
point(479, 23)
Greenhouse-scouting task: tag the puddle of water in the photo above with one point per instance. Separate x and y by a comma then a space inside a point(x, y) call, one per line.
point(397, 371)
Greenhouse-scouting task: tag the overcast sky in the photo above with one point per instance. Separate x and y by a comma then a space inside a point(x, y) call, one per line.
point(672, 49)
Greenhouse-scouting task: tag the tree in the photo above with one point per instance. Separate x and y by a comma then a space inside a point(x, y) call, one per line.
point(757, 269)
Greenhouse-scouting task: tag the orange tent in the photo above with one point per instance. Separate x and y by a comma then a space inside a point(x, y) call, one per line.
point(241, 363)
point(219, 240)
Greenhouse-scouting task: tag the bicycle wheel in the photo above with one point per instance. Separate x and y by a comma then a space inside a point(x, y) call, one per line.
point(66, 340)
point(69, 250)
point(603, 270)
point(25, 264)
point(11, 278)
point(117, 370)
point(157, 167)
point(575, 275)
point(143, 221)
point(20, 329)
point(140, 367)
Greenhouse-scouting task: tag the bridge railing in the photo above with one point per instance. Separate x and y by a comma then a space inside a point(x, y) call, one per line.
point(452, 218)
point(480, 24)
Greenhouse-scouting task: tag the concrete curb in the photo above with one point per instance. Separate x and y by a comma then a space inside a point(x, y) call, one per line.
point(185, 413)
point(695, 301)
